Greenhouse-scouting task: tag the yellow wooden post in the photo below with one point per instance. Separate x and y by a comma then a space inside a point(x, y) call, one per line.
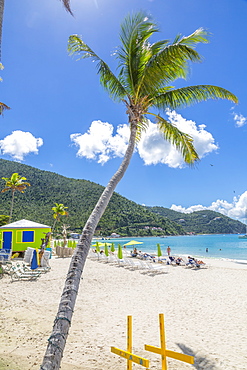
point(162, 341)
point(129, 340)
point(163, 351)
point(128, 355)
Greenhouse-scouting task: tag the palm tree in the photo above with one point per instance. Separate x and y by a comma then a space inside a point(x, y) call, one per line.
point(59, 210)
point(14, 183)
point(146, 71)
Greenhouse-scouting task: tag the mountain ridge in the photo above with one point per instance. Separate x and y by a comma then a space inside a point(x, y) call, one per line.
point(122, 216)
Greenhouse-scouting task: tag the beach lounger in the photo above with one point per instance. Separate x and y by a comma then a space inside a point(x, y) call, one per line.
point(6, 265)
point(192, 262)
point(154, 267)
point(157, 267)
point(24, 268)
point(132, 263)
point(18, 275)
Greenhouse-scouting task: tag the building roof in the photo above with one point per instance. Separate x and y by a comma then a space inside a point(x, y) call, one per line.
point(24, 224)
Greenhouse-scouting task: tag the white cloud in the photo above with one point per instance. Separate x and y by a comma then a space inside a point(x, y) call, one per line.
point(239, 119)
point(236, 209)
point(20, 143)
point(99, 143)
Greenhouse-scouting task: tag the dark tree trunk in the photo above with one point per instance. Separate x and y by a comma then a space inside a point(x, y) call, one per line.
point(57, 340)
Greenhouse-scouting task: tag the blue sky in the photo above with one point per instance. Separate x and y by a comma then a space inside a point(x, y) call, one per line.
point(61, 119)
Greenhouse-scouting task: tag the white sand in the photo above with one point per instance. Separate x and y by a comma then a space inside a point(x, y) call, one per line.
point(205, 313)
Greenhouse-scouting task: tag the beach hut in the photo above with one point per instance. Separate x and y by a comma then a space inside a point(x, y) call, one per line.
point(18, 236)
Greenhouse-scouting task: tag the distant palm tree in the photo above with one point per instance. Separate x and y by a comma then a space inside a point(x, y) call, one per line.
point(146, 71)
point(14, 183)
point(59, 210)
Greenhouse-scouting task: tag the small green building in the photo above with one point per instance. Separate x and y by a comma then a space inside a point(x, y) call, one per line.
point(18, 236)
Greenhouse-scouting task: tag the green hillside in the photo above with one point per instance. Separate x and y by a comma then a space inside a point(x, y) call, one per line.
point(202, 222)
point(122, 216)
point(80, 196)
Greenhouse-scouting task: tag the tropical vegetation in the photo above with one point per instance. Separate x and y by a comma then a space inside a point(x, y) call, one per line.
point(146, 71)
point(122, 216)
point(202, 222)
point(58, 211)
point(14, 183)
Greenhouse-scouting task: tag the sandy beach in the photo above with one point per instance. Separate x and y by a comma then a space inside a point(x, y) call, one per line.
point(205, 314)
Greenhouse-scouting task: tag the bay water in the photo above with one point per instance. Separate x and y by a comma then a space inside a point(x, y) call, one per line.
point(227, 246)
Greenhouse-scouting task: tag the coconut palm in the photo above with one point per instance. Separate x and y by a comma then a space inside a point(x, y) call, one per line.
point(14, 183)
point(146, 71)
point(59, 210)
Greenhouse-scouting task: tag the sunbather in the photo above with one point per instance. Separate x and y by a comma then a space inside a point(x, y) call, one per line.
point(179, 261)
point(172, 259)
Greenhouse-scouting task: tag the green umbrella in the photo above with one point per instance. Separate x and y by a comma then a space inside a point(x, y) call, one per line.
point(159, 252)
point(120, 252)
point(97, 245)
point(112, 247)
point(106, 250)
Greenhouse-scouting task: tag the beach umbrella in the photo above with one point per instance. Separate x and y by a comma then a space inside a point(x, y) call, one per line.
point(133, 242)
point(106, 250)
point(100, 244)
point(112, 248)
point(120, 252)
point(97, 245)
point(34, 263)
point(159, 252)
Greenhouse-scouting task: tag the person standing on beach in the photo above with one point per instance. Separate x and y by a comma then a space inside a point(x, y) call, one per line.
point(168, 250)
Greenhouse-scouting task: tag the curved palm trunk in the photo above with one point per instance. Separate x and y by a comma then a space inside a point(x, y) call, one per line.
point(54, 224)
point(57, 340)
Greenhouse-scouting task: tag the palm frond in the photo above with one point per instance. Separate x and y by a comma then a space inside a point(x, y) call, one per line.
point(135, 51)
point(186, 96)
point(199, 36)
point(66, 4)
point(171, 62)
point(3, 107)
point(110, 82)
point(168, 65)
point(182, 141)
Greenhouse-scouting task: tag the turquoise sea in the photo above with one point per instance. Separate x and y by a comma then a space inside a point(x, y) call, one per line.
point(219, 246)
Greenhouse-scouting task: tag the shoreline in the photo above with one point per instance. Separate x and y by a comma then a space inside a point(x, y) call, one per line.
point(221, 246)
point(205, 316)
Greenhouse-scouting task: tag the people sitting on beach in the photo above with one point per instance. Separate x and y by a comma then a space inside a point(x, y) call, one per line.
point(199, 263)
point(194, 262)
point(179, 261)
point(172, 259)
point(134, 253)
point(191, 261)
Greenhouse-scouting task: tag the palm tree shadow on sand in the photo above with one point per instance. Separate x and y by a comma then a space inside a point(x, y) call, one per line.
point(202, 362)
